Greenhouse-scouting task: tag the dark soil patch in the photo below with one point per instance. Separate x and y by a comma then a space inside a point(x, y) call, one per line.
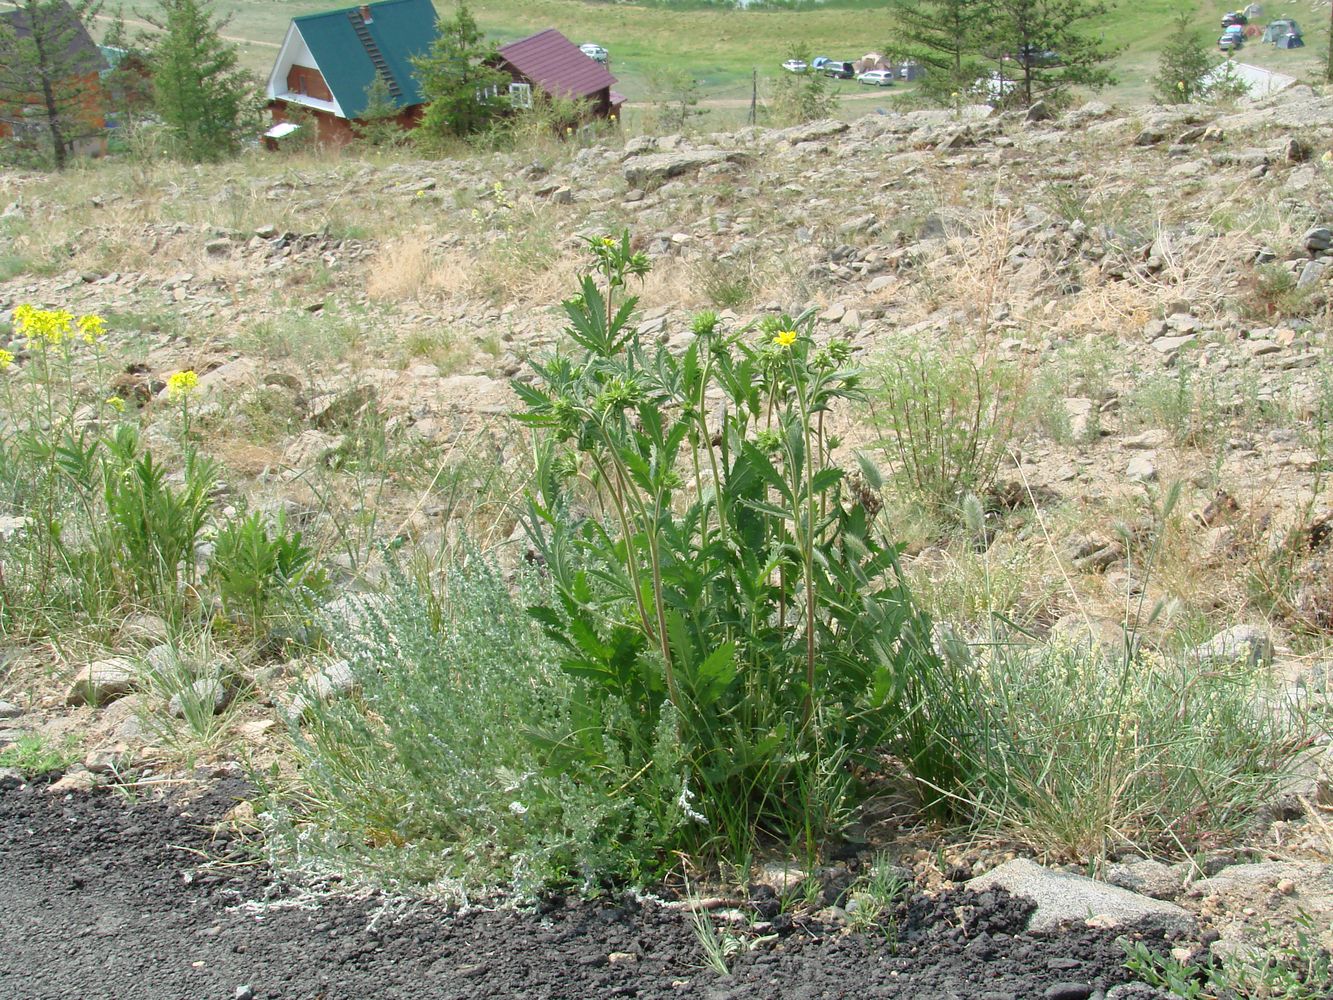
point(103, 899)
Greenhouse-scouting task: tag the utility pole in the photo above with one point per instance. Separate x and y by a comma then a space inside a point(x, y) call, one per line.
point(754, 93)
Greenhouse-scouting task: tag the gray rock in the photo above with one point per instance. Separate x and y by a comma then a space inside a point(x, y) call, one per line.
point(102, 681)
point(1148, 878)
point(1264, 876)
point(1317, 239)
point(825, 128)
point(10, 777)
point(1311, 273)
point(333, 680)
point(142, 627)
point(654, 169)
point(8, 710)
point(1141, 469)
point(1061, 897)
point(208, 692)
point(1248, 644)
point(1170, 345)
point(312, 448)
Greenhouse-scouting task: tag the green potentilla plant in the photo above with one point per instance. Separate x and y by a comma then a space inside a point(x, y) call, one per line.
point(732, 578)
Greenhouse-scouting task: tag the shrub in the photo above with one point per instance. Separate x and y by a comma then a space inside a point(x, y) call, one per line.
point(948, 423)
point(734, 591)
point(430, 773)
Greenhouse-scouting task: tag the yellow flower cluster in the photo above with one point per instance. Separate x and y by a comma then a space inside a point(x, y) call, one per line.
point(6, 359)
point(181, 384)
point(785, 338)
point(53, 326)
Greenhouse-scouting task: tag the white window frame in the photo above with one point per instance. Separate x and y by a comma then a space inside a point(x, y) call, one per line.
point(520, 95)
point(486, 93)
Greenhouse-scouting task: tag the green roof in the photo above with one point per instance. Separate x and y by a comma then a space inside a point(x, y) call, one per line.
point(400, 29)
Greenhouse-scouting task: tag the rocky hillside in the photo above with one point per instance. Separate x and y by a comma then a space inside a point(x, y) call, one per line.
point(1144, 294)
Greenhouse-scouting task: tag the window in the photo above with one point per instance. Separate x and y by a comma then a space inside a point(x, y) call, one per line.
point(520, 95)
point(486, 93)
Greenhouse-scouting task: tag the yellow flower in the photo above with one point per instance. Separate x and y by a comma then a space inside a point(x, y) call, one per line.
point(116, 403)
point(609, 242)
point(1180, 84)
point(181, 384)
point(6, 359)
point(92, 328)
point(785, 338)
point(47, 326)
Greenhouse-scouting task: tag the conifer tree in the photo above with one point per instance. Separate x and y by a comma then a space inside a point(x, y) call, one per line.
point(945, 37)
point(203, 97)
point(1184, 65)
point(462, 87)
point(47, 78)
point(1045, 46)
point(377, 124)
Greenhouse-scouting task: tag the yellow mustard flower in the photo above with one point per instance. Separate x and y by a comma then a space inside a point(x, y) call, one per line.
point(785, 338)
point(92, 328)
point(182, 384)
point(609, 242)
point(45, 326)
point(6, 359)
point(116, 403)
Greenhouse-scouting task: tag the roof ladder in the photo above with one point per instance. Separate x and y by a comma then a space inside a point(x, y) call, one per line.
point(373, 50)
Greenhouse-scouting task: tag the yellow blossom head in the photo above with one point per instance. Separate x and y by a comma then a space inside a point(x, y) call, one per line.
point(181, 384)
point(6, 359)
point(116, 403)
point(609, 242)
point(785, 338)
point(43, 326)
point(92, 328)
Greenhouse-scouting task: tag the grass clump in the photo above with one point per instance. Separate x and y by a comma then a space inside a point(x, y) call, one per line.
point(1077, 749)
point(34, 755)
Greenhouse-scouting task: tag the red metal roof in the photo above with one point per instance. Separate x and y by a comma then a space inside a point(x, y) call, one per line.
point(555, 64)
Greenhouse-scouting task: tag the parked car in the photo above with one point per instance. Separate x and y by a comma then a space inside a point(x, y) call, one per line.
point(795, 66)
point(876, 78)
point(1235, 18)
point(840, 70)
point(819, 62)
point(593, 51)
point(1230, 43)
point(1035, 55)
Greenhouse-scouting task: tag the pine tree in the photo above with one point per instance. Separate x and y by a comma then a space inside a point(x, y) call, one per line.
point(49, 74)
point(945, 37)
point(377, 125)
point(204, 99)
point(1184, 65)
point(1041, 45)
point(462, 89)
point(801, 97)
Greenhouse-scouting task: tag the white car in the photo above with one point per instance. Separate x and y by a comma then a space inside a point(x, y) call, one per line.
point(593, 51)
point(876, 78)
point(795, 66)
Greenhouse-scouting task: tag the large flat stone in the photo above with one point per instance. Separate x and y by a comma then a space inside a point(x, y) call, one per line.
point(1062, 897)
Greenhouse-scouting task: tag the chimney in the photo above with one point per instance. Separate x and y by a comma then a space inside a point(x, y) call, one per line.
point(365, 14)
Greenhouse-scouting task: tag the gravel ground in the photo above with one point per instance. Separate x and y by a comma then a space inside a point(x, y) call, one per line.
point(103, 899)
